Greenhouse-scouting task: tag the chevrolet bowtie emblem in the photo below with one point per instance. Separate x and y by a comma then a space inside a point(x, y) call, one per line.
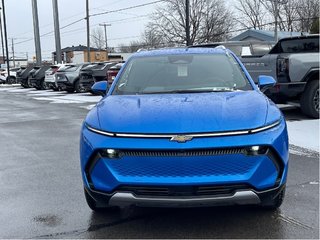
point(181, 138)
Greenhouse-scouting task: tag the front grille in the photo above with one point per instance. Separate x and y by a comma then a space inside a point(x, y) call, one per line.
point(182, 190)
point(186, 153)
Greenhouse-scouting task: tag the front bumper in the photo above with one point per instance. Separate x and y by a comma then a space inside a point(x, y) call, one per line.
point(33, 82)
point(237, 197)
point(65, 85)
point(221, 165)
point(51, 85)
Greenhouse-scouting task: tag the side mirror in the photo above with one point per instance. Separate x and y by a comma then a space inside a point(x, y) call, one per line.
point(265, 82)
point(100, 88)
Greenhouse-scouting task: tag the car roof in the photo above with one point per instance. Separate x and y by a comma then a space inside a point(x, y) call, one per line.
point(300, 37)
point(180, 51)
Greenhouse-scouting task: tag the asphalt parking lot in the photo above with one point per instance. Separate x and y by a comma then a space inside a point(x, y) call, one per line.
point(42, 194)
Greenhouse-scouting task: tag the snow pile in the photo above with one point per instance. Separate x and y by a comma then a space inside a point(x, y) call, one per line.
point(304, 134)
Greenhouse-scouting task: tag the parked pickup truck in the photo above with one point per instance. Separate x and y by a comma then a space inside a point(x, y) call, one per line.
point(294, 63)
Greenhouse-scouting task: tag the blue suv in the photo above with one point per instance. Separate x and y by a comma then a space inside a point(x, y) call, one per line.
point(184, 127)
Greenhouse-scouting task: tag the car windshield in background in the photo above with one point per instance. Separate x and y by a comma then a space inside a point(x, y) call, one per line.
point(71, 69)
point(186, 73)
point(64, 68)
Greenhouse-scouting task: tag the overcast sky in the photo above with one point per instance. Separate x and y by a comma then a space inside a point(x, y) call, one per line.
point(126, 25)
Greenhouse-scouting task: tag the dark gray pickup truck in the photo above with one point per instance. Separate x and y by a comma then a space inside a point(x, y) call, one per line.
point(293, 62)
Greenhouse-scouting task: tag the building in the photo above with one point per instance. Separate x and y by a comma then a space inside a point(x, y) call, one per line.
point(119, 56)
point(263, 35)
point(18, 62)
point(78, 54)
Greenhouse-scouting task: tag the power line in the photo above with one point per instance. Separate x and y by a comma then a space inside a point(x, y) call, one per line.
point(93, 15)
point(127, 8)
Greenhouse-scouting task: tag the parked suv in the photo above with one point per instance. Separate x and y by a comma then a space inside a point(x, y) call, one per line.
point(25, 82)
point(37, 79)
point(22, 76)
point(68, 77)
point(94, 73)
point(244, 48)
point(294, 63)
point(50, 78)
point(113, 72)
point(12, 77)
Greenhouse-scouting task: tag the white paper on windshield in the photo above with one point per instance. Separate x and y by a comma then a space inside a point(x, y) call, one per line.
point(182, 71)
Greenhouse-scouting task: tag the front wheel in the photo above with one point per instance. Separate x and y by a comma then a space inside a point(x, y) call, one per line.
point(44, 86)
point(275, 203)
point(11, 80)
point(96, 206)
point(78, 87)
point(310, 99)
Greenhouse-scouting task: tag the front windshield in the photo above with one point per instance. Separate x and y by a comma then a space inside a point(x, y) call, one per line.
point(181, 73)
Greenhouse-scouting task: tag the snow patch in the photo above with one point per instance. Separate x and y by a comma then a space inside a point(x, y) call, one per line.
point(303, 151)
point(304, 134)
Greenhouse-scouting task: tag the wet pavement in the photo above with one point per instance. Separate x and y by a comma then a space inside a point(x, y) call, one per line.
point(42, 194)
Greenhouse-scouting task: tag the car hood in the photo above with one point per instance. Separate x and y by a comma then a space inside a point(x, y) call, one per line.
point(183, 113)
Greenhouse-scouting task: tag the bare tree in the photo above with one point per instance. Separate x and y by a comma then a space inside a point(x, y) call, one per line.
point(209, 21)
point(97, 38)
point(151, 39)
point(288, 15)
point(252, 13)
point(132, 47)
point(308, 11)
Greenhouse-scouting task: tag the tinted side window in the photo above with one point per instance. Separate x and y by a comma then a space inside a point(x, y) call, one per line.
point(300, 45)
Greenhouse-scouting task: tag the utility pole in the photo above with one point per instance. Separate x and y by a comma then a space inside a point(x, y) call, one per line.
point(105, 25)
point(188, 22)
point(5, 36)
point(276, 21)
point(2, 44)
point(36, 32)
point(88, 30)
point(12, 47)
point(57, 30)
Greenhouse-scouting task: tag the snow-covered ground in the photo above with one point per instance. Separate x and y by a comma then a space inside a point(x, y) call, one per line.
point(304, 134)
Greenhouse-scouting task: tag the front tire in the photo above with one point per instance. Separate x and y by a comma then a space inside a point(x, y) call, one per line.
point(96, 206)
point(11, 80)
point(310, 99)
point(78, 87)
point(44, 86)
point(275, 203)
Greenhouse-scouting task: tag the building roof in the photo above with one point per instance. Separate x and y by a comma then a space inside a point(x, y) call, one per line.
point(79, 48)
point(263, 35)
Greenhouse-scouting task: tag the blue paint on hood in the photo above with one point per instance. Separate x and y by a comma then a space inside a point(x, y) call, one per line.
point(184, 113)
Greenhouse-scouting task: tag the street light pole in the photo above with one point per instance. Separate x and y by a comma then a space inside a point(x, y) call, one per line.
point(188, 22)
point(88, 30)
point(36, 32)
point(2, 44)
point(5, 36)
point(57, 30)
point(276, 21)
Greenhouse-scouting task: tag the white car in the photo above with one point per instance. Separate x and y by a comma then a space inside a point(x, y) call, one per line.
point(12, 76)
point(50, 79)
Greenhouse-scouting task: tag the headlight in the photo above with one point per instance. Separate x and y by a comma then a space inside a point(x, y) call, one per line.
point(256, 150)
point(110, 153)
